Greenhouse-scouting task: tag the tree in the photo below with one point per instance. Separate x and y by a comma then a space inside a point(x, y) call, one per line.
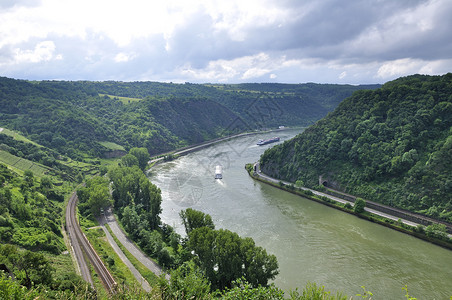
point(132, 188)
point(186, 282)
point(129, 160)
point(36, 267)
point(359, 206)
point(142, 156)
point(193, 219)
point(28, 178)
point(29, 268)
point(95, 196)
point(224, 257)
point(99, 199)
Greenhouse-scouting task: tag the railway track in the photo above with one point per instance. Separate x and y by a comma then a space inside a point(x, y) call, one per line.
point(80, 243)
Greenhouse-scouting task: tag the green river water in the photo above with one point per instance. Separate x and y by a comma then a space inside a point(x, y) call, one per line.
point(311, 241)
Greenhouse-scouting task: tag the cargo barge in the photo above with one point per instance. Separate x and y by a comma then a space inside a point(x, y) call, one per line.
point(265, 142)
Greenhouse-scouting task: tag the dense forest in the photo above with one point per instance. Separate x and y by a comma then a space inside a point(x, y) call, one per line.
point(392, 145)
point(74, 118)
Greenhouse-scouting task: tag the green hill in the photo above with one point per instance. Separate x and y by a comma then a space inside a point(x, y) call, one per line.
point(392, 145)
point(72, 117)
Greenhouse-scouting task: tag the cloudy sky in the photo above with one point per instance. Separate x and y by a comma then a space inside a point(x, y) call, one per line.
point(226, 41)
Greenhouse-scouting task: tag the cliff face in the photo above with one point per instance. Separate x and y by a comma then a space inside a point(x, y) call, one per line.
point(391, 145)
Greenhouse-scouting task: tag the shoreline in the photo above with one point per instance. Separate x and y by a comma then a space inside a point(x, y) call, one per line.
point(404, 226)
point(159, 158)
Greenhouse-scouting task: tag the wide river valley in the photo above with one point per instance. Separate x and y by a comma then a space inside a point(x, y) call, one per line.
point(312, 242)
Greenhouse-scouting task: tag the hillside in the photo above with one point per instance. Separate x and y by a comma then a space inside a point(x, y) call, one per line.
point(392, 145)
point(77, 118)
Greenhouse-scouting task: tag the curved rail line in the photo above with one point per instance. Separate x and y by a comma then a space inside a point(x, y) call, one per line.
point(79, 240)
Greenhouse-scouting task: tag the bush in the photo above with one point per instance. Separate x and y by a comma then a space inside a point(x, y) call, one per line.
point(360, 204)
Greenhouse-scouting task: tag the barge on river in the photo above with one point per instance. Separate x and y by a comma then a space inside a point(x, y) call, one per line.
point(265, 142)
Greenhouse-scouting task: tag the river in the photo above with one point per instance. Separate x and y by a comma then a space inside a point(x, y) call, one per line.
point(312, 242)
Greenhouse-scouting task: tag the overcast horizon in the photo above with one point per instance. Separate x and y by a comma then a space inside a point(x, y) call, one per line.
point(206, 41)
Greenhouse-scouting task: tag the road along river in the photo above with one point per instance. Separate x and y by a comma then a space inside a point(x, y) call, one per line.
point(312, 242)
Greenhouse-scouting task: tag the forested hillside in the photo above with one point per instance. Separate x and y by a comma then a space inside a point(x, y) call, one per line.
point(257, 104)
point(73, 117)
point(392, 145)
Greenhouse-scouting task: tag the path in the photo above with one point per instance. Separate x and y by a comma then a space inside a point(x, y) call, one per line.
point(107, 220)
point(129, 245)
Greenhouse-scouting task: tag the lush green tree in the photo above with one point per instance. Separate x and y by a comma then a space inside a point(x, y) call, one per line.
point(225, 257)
point(129, 160)
point(99, 199)
point(193, 219)
point(95, 196)
point(359, 206)
point(130, 220)
point(132, 188)
point(142, 156)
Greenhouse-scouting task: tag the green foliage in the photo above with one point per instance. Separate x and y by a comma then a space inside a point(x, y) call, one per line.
point(359, 206)
point(193, 219)
point(314, 292)
point(28, 217)
point(437, 231)
point(131, 188)
point(186, 282)
point(12, 290)
point(242, 290)
point(129, 160)
point(407, 295)
point(299, 183)
point(29, 268)
point(365, 294)
point(95, 196)
point(224, 257)
point(390, 145)
point(76, 118)
point(142, 156)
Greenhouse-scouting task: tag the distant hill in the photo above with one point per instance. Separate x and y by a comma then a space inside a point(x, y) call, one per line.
point(80, 118)
point(257, 104)
point(392, 145)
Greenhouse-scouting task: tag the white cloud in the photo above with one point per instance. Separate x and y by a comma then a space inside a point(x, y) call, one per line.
point(43, 51)
point(399, 67)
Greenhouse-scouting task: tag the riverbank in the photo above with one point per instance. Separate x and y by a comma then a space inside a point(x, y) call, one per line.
point(168, 156)
point(401, 225)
